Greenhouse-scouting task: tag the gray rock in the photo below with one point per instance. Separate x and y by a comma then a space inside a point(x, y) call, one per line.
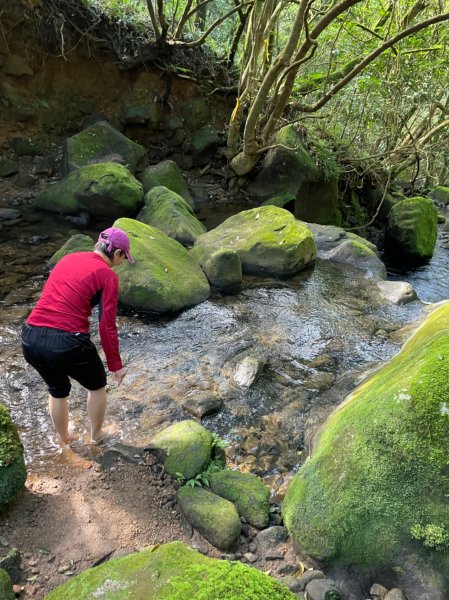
point(322, 589)
point(309, 576)
point(291, 582)
point(360, 256)
point(397, 292)
point(250, 557)
point(223, 268)
point(24, 181)
point(395, 594)
point(378, 591)
point(8, 167)
point(202, 405)
point(271, 537)
point(7, 214)
point(248, 371)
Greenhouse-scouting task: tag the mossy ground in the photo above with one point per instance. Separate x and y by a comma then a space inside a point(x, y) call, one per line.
point(12, 467)
point(381, 468)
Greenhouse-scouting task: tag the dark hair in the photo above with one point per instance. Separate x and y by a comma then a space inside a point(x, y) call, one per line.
point(103, 247)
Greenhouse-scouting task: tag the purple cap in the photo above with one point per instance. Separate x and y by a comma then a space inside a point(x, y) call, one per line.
point(116, 238)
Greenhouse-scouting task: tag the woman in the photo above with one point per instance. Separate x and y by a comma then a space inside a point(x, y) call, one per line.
point(55, 337)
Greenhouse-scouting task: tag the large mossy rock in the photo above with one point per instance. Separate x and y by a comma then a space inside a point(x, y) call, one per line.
point(290, 168)
point(171, 572)
point(167, 174)
point(13, 472)
point(185, 448)
point(103, 190)
point(223, 267)
point(247, 492)
point(374, 492)
point(268, 240)
point(170, 213)
point(357, 253)
point(213, 516)
point(101, 143)
point(412, 228)
point(440, 195)
point(77, 243)
point(164, 277)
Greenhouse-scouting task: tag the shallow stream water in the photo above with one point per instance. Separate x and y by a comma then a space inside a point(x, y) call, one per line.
point(318, 333)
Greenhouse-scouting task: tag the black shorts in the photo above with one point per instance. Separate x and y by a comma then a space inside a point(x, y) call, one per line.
point(57, 355)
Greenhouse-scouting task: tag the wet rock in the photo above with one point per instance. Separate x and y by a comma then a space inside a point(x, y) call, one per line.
point(272, 537)
point(223, 268)
point(202, 405)
point(24, 181)
point(248, 371)
point(214, 517)
point(45, 165)
point(320, 380)
point(321, 589)
point(397, 292)
point(7, 214)
point(359, 255)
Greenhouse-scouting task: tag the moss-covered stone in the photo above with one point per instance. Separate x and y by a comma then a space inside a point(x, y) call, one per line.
point(317, 202)
point(170, 213)
point(440, 195)
point(268, 240)
point(359, 254)
point(102, 190)
point(247, 492)
point(184, 447)
point(412, 228)
point(6, 592)
point(282, 200)
point(77, 243)
point(223, 268)
point(101, 143)
point(164, 277)
point(8, 167)
point(167, 174)
point(375, 491)
point(12, 465)
point(204, 144)
point(171, 572)
point(196, 113)
point(213, 516)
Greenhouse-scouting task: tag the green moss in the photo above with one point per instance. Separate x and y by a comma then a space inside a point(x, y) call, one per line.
point(12, 466)
point(167, 174)
point(381, 465)
point(171, 572)
point(6, 592)
point(214, 517)
point(440, 194)
point(77, 243)
point(247, 492)
point(412, 227)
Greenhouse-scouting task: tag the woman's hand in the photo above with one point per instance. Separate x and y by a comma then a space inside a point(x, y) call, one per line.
point(118, 376)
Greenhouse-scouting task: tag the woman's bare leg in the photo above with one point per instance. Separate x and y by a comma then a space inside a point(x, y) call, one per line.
point(59, 413)
point(96, 408)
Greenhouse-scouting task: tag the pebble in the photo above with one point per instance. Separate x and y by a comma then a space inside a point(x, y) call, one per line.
point(250, 557)
point(4, 542)
point(16, 589)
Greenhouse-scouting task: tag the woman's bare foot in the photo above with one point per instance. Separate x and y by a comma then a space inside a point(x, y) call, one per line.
point(71, 437)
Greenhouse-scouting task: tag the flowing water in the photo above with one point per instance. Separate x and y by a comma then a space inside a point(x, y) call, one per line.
point(318, 334)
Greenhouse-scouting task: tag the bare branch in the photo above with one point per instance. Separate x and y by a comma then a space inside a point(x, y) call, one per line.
point(215, 24)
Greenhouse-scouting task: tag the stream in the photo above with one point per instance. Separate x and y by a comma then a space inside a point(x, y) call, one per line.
point(319, 334)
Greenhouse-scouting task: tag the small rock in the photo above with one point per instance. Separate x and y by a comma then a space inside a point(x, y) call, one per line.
point(16, 589)
point(319, 589)
point(378, 591)
point(395, 594)
point(309, 576)
point(275, 555)
point(287, 569)
point(4, 542)
point(272, 536)
point(202, 405)
point(291, 582)
point(248, 371)
point(63, 568)
point(250, 557)
point(230, 556)
point(9, 214)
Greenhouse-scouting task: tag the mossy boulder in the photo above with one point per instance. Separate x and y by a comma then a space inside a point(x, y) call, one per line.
point(317, 202)
point(8, 167)
point(412, 228)
point(214, 517)
point(167, 174)
point(164, 277)
point(286, 167)
point(101, 143)
point(268, 240)
point(223, 268)
point(170, 213)
point(358, 253)
point(247, 492)
point(102, 190)
point(374, 492)
point(204, 144)
point(440, 195)
point(171, 572)
point(195, 113)
point(77, 243)
point(184, 448)
point(13, 472)
point(6, 592)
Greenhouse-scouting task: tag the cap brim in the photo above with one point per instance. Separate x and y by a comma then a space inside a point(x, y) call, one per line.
point(129, 258)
